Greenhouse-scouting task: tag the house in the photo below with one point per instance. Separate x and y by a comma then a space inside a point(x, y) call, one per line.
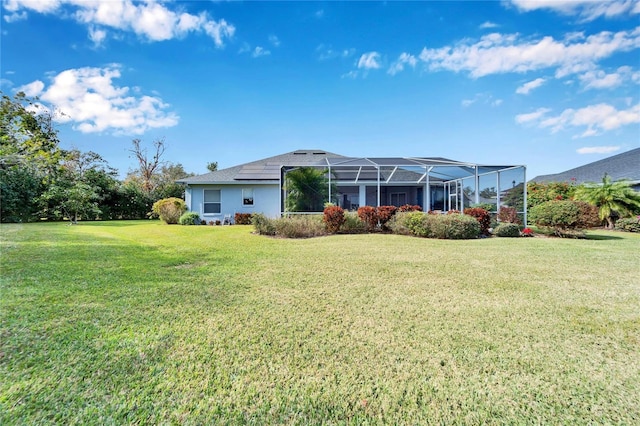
point(621, 166)
point(434, 183)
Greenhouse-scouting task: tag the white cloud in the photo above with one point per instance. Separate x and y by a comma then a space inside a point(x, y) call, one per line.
point(404, 59)
point(484, 98)
point(97, 36)
point(260, 51)
point(152, 19)
point(531, 116)
point(587, 10)
point(598, 79)
point(32, 89)
point(596, 119)
point(505, 53)
point(326, 52)
point(87, 98)
point(369, 60)
point(15, 17)
point(529, 86)
point(488, 25)
point(274, 40)
point(597, 149)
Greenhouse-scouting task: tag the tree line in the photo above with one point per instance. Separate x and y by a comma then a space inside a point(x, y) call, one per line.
point(41, 181)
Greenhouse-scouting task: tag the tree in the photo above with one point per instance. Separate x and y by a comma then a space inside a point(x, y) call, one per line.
point(307, 189)
point(213, 166)
point(165, 181)
point(27, 134)
point(147, 167)
point(29, 156)
point(613, 199)
point(71, 193)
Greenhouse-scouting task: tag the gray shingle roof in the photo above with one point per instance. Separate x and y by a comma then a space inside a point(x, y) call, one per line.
point(265, 169)
point(621, 166)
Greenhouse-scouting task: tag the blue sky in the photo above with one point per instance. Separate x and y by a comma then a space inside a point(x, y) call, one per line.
point(549, 84)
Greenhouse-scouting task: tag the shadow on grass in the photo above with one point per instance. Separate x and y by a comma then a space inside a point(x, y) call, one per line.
point(600, 237)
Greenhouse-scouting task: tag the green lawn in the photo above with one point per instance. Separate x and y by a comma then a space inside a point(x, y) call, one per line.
point(139, 322)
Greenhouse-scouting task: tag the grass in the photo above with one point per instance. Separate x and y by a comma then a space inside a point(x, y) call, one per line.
point(138, 322)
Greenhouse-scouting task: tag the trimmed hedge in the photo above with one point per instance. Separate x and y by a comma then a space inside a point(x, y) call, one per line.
point(453, 226)
point(304, 226)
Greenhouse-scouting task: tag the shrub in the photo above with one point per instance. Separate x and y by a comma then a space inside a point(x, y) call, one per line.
point(305, 226)
point(557, 214)
point(588, 215)
point(333, 217)
point(454, 227)
point(263, 225)
point(352, 224)
point(384, 214)
point(482, 216)
point(508, 215)
point(242, 218)
point(628, 224)
point(169, 209)
point(565, 217)
point(538, 193)
point(368, 215)
point(189, 218)
point(506, 229)
point(413, 223)
point(211, 223)
point(399, 224)
point(409, 208)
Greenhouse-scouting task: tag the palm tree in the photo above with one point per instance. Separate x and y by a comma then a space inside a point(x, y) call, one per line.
point(612, 198)
point(307, 189)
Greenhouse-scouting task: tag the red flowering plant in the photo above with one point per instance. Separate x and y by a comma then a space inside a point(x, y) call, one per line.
point(527, 232)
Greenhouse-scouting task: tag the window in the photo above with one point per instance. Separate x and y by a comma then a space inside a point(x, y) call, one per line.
point(398, 199)
point(247, 197)
point(211, 201)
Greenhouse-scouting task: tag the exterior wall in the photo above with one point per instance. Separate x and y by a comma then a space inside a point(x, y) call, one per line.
point(266, 200)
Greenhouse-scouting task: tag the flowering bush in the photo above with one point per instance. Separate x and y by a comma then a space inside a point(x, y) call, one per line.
point(527, 232)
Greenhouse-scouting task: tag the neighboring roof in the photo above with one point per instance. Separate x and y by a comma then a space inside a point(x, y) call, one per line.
point(391, 170)
point(620, 166)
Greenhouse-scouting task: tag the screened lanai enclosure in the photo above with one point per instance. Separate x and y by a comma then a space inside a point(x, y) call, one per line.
point(435, 184)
